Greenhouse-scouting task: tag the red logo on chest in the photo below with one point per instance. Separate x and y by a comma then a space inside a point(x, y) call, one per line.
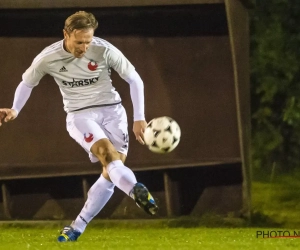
point(92, 65)
point(88, 138)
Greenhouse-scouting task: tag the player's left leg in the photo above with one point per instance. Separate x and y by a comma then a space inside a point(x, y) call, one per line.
point(115, 123)
point(122, 176)
point(118, 173)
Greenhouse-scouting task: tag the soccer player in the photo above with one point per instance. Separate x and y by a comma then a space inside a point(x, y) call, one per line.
point(81, 66)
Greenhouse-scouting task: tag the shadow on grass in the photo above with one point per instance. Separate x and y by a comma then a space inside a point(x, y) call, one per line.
point(207, 220)
point(276, 200)
point(259, 219)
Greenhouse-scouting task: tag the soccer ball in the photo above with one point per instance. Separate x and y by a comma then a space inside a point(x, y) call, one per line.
point(162, 135)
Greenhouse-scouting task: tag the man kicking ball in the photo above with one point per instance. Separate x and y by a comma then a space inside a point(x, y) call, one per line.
point(81, 65)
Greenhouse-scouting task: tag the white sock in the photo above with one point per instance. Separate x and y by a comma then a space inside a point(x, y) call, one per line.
point(121, 176)
point(98, 196)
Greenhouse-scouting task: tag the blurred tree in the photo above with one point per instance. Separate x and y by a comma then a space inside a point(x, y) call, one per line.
point(275, 84)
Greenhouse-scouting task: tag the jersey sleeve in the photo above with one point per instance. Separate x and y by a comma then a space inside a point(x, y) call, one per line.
point(35, 72)
point(119, 62)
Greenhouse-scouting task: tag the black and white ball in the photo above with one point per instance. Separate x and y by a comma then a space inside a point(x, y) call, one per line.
point(162, 135)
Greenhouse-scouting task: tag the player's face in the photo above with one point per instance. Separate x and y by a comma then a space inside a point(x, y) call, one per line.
point(78, 41)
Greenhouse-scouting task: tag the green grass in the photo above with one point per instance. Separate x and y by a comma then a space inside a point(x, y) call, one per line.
point(148, 237)
point(276, 206)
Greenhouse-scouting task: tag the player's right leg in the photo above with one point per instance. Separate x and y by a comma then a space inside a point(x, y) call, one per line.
point(98, 196)
point(86, 131)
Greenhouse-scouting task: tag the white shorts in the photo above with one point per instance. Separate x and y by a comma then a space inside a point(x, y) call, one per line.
point(90, 125)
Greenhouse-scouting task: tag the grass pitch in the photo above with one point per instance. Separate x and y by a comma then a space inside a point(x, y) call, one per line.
point(142, 236)
point(275, 203)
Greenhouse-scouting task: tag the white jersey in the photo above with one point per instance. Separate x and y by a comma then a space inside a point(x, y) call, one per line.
point(84, 82)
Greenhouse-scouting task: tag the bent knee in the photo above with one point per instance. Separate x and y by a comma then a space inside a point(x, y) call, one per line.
point(105, 151)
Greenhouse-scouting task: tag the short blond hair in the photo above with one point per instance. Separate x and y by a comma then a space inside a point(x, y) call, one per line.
point(81, 20)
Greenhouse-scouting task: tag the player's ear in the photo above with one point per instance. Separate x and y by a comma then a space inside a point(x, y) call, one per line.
point(65, 33)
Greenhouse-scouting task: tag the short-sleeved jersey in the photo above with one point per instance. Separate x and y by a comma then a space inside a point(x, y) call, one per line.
point(83, 82)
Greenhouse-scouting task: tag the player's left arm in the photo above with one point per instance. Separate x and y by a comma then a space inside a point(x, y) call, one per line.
point(126, 70)
point(137, 97)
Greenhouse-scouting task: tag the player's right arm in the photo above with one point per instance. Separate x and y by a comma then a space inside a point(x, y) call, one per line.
point(22, 94)
point(31, 78)
point(7, 115)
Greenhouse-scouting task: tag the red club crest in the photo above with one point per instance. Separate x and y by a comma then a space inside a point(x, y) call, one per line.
point(88, 138)
point(92, 65)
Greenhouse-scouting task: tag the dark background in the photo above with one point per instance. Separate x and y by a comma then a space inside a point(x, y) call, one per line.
point(181, 53)
point(193, 59)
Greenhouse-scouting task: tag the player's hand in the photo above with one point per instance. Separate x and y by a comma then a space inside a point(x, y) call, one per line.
point(7, 115)
point(139, 129)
